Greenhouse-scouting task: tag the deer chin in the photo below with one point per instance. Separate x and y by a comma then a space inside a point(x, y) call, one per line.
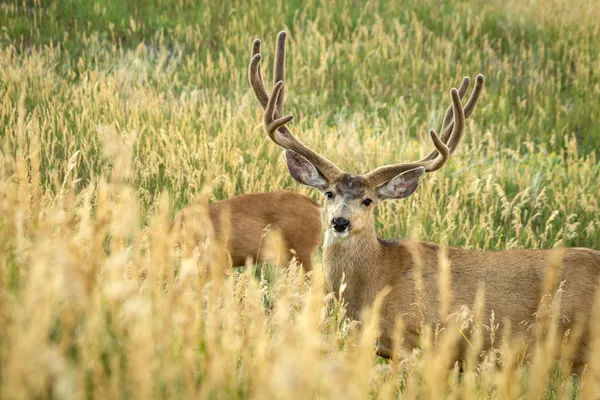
point(340, 235)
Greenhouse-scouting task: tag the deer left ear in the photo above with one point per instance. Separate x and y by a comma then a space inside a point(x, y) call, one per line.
point(402, 185)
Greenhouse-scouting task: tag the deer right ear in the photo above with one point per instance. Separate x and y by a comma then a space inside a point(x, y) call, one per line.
point(304, 172)
point(402, 185)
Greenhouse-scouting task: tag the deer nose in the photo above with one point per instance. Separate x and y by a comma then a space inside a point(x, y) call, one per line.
point(340, 224)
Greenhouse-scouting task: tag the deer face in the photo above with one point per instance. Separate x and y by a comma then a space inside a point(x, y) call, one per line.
point(348, 205)
point(350, 199)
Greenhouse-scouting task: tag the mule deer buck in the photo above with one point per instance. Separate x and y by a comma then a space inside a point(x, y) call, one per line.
point(513, 279)
point(249, 216)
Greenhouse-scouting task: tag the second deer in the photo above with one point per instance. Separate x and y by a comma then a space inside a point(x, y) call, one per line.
point(246, 219)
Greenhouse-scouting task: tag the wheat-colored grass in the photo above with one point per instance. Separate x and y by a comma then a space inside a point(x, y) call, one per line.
point(113, 118)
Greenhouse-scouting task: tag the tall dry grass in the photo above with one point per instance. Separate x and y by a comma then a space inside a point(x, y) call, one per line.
point(109, 124)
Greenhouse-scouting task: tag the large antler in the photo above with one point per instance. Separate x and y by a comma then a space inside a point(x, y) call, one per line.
point(452, 133)
point(275, 122)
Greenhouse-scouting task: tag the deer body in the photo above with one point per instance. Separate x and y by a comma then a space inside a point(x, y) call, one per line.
point(295, 216)
point(514, 281)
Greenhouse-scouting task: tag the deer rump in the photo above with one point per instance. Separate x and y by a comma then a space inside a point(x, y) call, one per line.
point(242, 223)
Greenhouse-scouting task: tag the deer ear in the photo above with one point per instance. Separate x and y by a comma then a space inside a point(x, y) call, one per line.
point(304, 172)
point(402, 185)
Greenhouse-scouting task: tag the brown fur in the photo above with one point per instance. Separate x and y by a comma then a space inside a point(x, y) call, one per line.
point(296, 217)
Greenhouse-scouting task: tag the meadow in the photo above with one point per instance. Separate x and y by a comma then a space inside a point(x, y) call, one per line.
point(114, 115)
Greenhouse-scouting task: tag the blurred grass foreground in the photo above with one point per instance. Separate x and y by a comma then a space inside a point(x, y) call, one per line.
point(114, 115)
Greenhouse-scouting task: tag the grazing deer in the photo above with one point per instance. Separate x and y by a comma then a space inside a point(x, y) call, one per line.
point(513, 279)
point(296, 217)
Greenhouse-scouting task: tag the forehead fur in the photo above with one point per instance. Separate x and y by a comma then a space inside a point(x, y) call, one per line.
point(351, 186)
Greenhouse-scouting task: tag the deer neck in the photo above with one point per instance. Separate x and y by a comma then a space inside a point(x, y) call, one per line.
point(353, 260)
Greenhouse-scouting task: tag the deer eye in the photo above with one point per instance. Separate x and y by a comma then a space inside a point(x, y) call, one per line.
point(329, 195)
point(367, 202)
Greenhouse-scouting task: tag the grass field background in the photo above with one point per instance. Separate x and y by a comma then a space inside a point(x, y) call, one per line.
point(114, 115)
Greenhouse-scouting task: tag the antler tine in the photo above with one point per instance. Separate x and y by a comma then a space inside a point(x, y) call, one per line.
point(255, 75)
point(441, 148)
point(383, 174)
point(447, 125)
point(462, 90)
point(457, 132)
point(279, 69)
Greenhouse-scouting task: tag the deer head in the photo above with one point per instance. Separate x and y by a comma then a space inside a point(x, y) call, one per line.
point(350, 199)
